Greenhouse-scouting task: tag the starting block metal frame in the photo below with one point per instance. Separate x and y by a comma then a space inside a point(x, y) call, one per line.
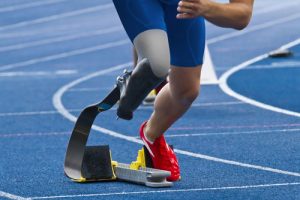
point(94, 163)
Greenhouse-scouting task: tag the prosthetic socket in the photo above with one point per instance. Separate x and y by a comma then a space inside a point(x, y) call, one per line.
point(135, 88)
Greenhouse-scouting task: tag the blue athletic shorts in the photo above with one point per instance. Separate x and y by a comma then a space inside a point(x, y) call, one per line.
point(186, 36)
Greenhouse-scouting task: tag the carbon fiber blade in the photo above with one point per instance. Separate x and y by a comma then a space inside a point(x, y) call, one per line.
point(81, 131)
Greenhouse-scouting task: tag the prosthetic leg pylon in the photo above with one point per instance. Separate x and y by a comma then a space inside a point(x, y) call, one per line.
point(135, 88)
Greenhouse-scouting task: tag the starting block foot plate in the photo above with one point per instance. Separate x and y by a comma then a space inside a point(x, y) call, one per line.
point(145, 176)
point(96, 163)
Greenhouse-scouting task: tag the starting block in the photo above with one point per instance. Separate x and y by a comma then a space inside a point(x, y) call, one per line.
point(280, 53)
point(94, 163)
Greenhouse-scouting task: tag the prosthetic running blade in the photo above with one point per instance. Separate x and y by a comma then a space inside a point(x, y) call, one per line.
point(81, 131)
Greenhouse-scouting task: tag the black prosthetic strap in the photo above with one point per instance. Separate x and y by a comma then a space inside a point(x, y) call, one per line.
point(141, 82)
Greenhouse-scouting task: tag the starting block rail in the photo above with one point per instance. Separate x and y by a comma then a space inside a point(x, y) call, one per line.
point(147, 176)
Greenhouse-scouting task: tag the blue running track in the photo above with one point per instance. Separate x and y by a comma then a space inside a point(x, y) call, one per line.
point(239, 141)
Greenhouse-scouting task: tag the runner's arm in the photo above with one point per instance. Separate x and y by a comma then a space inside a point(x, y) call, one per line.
point(235, 14)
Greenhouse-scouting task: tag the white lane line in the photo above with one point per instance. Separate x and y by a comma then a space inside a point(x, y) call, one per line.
point(217, 104)
point(62, 133)
point(196, 105)
point(38, 73)
point(233, 127)
point(65, 72)
point(252, 29)
point(12, 196)
point(34, 134)
point(65, 54)
point(226, 88)
point(5, 135)
point(47, 31)
point(150, 192)
point(270, 67)
point(51, 112)
point(289, 45)
point(60, 39)
point(274, 65)
point(89, 89)
point(58, 16)
point(238, 164)
point(275, 7)
point(233, 133)
point(47, 112)
point(28, 113)
point(29, 5)
point(57, 102)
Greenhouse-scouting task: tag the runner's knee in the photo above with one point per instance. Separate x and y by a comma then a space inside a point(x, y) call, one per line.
point(186, 96)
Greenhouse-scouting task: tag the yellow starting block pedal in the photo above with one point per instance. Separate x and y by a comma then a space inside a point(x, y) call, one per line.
point(139, 171)
point(140, 161)
point(143, 160)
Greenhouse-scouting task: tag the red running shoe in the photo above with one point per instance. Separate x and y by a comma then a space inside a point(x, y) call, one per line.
point(163, 157)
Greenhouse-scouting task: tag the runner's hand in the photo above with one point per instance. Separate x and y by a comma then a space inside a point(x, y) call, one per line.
point(192, 8)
